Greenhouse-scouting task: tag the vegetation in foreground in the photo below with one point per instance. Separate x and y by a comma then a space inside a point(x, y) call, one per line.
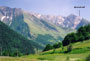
point(80, 52)
point(74, 50)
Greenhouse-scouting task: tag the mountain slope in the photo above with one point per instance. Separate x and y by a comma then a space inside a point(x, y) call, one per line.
point(42, 29)
point(14, 18)
point(72, 21)
point(82, 23)
point(11, 42)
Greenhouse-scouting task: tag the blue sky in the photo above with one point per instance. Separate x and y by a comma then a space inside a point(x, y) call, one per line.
point(52, 7)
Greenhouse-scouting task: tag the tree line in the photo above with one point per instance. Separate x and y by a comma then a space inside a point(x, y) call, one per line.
point(54, 46)
point(82, 34)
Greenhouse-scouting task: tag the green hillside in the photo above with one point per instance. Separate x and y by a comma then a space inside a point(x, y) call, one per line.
point(12, 43)
point(79, 53)
point(44, 32)
point(41, 31)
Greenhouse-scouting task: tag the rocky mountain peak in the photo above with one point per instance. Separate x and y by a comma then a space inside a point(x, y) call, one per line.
point(71, 21)
point(7, 14)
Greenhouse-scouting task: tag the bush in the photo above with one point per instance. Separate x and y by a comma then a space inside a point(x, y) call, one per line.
point(67, 59)
point(69, 48)
point(88, 58)
point(57, 45)
point(48, 47)
point(83, 33)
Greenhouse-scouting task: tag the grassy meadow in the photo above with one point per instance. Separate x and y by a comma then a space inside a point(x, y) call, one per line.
point(79, 53)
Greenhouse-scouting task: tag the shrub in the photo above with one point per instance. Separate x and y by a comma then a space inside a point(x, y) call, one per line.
point(88, 58)
point(48, 47)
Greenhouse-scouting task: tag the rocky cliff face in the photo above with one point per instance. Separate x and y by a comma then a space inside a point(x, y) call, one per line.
point(14, 18)
point(72, 21)
point(7, 14)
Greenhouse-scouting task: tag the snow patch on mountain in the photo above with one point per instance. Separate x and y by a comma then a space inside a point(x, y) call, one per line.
point(3, 18)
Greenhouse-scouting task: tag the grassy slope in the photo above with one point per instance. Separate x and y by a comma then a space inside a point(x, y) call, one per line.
point(38, 29)
point(75, 55)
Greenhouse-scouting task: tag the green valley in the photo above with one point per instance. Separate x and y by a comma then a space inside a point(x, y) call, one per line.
point(74, 55)
point(28, 36)
point(44, 32)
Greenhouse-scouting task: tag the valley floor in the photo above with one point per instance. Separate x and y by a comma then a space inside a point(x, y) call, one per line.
point(79, 53)
point(49, 57)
